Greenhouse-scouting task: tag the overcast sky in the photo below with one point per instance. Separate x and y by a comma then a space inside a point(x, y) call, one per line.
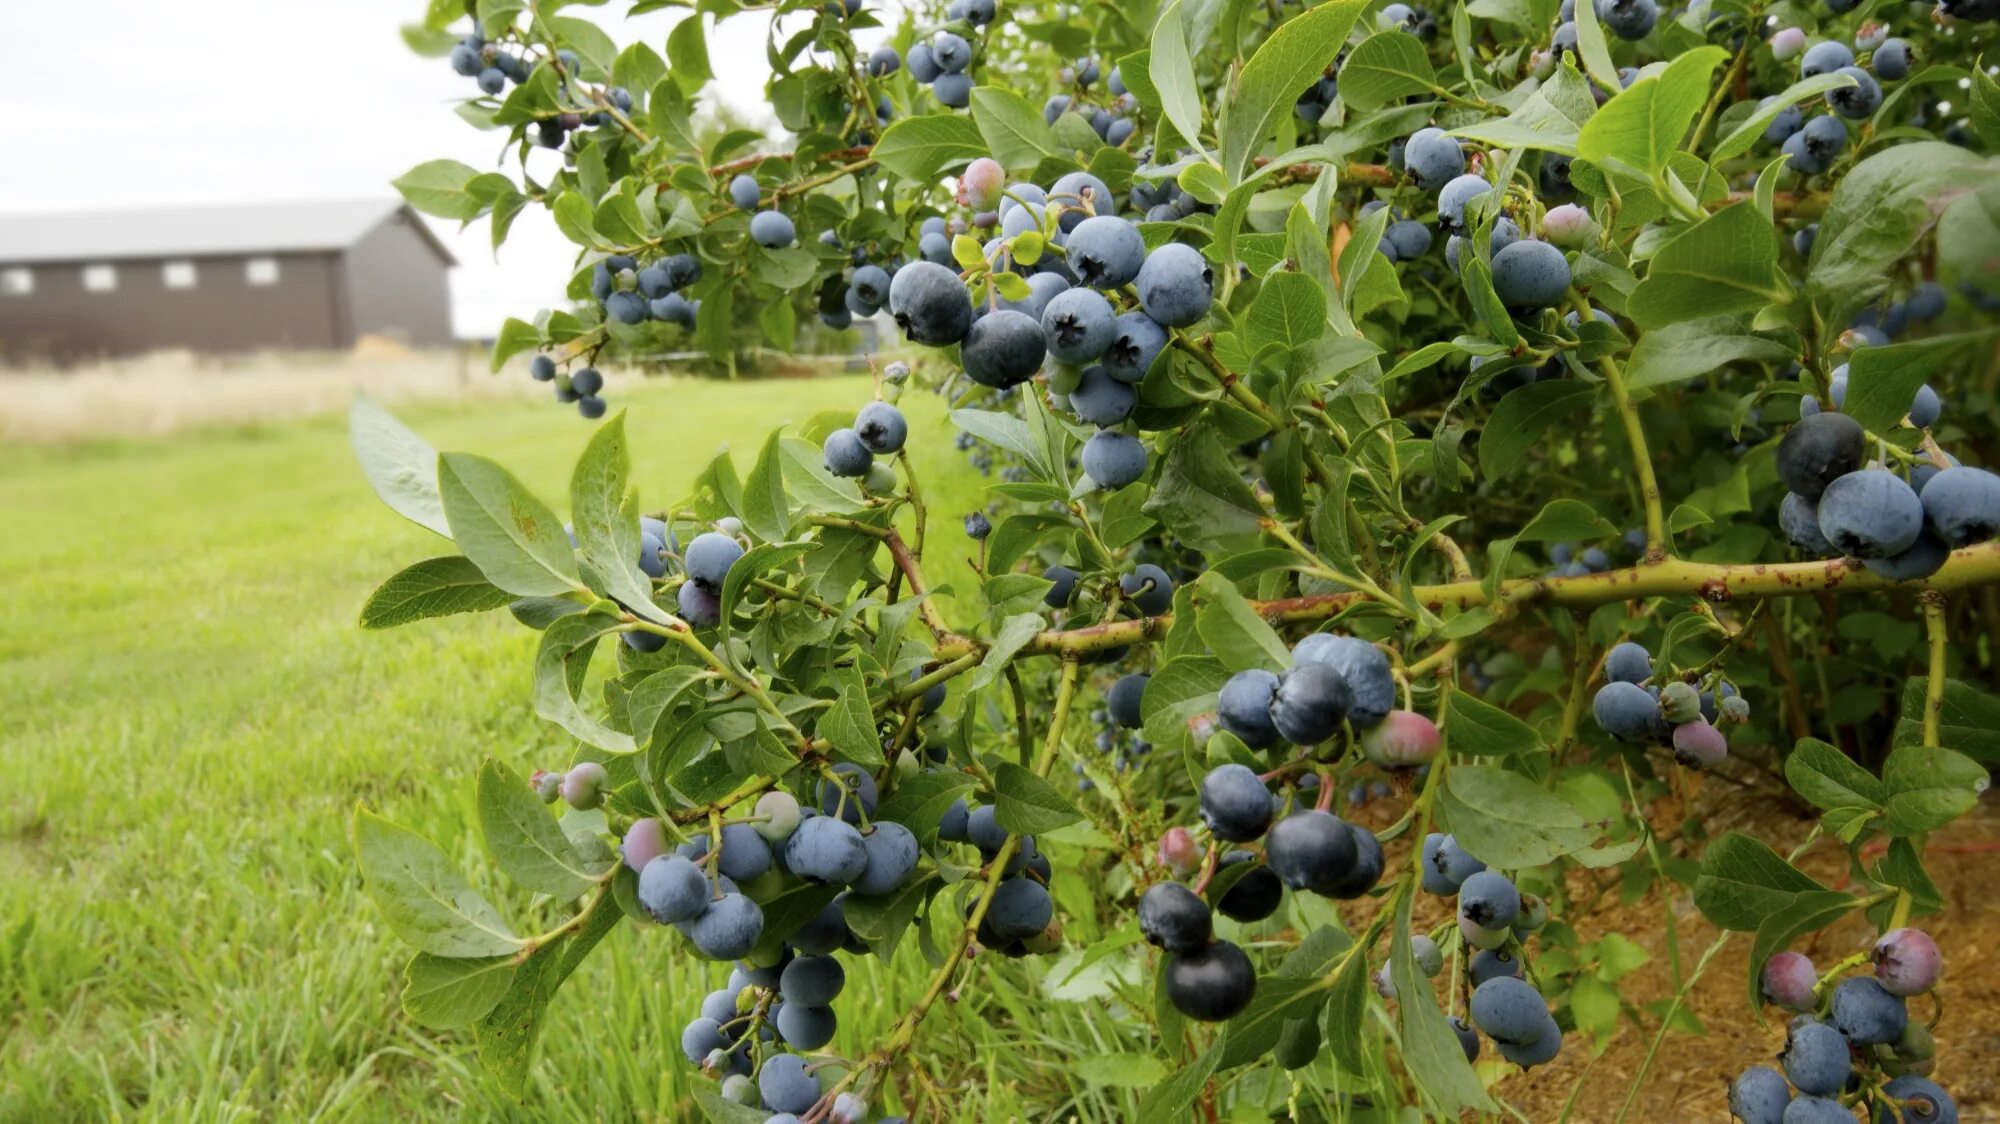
point(124, 103)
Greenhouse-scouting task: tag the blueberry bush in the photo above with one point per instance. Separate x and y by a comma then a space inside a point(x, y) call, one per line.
point(1506, 413)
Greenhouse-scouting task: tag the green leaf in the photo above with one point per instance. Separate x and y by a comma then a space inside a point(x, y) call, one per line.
point(1289, 312)
point(1430, 1047)
point(1232, 629)
point(1386, 66)
point(1170, 1099)
point(1925, 788)
point(1199, 495)
point(439, 188)
point(1643, 125)
point(1747, 134)
point(1595, 53)
point(606, 527)
point(849, 724)
point(1564, 520)
point(1549, 120)
point(1014, 131)
point(765, 511)
point(919, 802)
point(687, 51)
point(506, 1035)
point(1508, 820)
point(524, 839)
point(560, 663)
point(816, 489)
point(1728, 262)
point(516, 337)
point(1121, 1071)
point(922, 148)
point(435, 587)
point(1025, 804)
point(1015, 632)
point(1969, 721)
point(1882, 207)
point(1172, 71)
point(446, 992)
point(1180, 689)
point(1743, 882)
point(1294, 57)
point(720, 1111)
point(1251, 1034)
point(1809, 912)
point(514, 539)
point(1882, 381)
point(1523, 417)
point(1483, 730)
point(401, 466)
point(1829, 778)
point(1696, 348)
point(422, 897)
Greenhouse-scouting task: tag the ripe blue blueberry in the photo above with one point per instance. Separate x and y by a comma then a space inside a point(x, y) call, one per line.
point(1491, 964)
point(977, 526)
point(1138, 340)
point(744, 191)
point(1468, 1038)
point(883, 61)
point(1540, 1051)
point(542, 368)
point(1370, 683)
point(1311, 702)
point(1628, 663)
point(701, 1038)
point(786, 1084)
point(1962, 505)
point(1243, 706)
point(892, 856)
point(1509, 1010)
point(1101, 400)
point(1816, 1059)
point(727, 929)
point(983, 830)
point(846, 454)
point(1920, 560)
point(1825, 58)
point(953, 90)
point(1631, 20)
point(1870, 514)
point(1021, 908)
point(1212, 983)
point(709, 557)
point(1003, 348)
point(699, 605)
point(1866, 1013)
point(1817, 451)
point(1626, 711)
point(826, 931)
point(1891, 60)
point(1489, 900)
point(1078, 325)
point(813, 981)
point(1923, 1102)
point(1111, 460)
point(1859, 101)
point(930, 304)
point(1798, 517)
point(951, 52)
point(1176, 285)
point(1042, 288)
point(1407, 240)
point(673, 889)
point(1433, 158)
point(1310, 850)
point(881, 428)
point(826, 850)
point(772, 230)
point(591, 406)
point(923, 65)
point(1105, 252)
point(745, 854)
point(1530, 275)
point(1235, 804)
point(1149, 588)
point(854, 794)
point(1447, 865)
point(1063, 578)
point(1759, 1096)
point(1174, 918)
point(1122, 702)
point(626, 307)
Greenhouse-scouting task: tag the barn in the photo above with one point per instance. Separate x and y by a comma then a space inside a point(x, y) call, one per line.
point(220, 279)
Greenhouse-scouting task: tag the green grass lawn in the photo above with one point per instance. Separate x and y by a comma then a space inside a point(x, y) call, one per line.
point(191, 715)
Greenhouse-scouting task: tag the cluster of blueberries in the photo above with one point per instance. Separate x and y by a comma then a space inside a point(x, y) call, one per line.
point(1849, 1039)
point(1495, 920)
point(1901, 523)
point(776, 1006)
point(1020, 920)
point(1636, 705)
point(487, 64)
point(879, 429)
point(1529, 274)
point(940, 63)
point(1333, 681)
point(582, 386)
point(1812, 145)
point(1113, 124)
point(1120, 714)
point(632, 294)
point(1567, 561)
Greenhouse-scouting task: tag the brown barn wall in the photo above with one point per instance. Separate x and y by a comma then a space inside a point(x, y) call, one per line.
point(395, 286)
point(223, 312)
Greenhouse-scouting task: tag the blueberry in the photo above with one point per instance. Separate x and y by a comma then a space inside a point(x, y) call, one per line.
point(1509, 1010)
point(1122, 701)
point(1254, 896)
point(1962, 505)
point(1798, 517)
point(626, 307)
point(772, 230)
point(826, 850)
point(745, 854)
point(1433, 158)
point(1491, 964)
point(1042, 288)
point(682, 270)
point(952, 52)
point(1310, 850)
point(1366, 871)
point(1626, 711)
point(1628, 663)
point(673, 889)
point(1816, 1059)
point(1407, 240)
point(644, 841)
point(1446, 865)
point(1311, 702)
point(698, 605)
point(1370, 683)
point(583, 786)
point(1870, 514)
point(1468, 1038)
point(1426, 954)
point(923, 65)
point(1920, 560)
point(1235, 804)
point(1891, 60)
point(825, 932)
point(1403, 740)
point(1759, 1096)
point(1003, 348)
point(542, 368)
point(492, 80)
point(1102, 400)
point(1063, 579)
point(727, 929)
point(1907, 962)
point(1149, 588)
point(701, 1038)
point(953, 90)
point(1078, 325)
point(1699, 745)
point(1923, 1101)
point(1540, 1051)
point(786, 1085)
point(870, 287)
point(1819, 450)
point(846, 454)
point(1111, 460)
point(1866, 1012)
point(883, 61)
point(1212, 983)
point(881, 428)
point(813, 981)
point(1817, 1110)
point(977, 526)
point(1105, 252)
point(1489, 900)
point(1021, 908)
point(853, 795)
point(1243, 706)
point(1630, 20)
point(1825, 58)
point(1859, 101)
point(1530, 275)
point(1174, 918)
point(1175, 285)
point(779, 813)
point(1137, 341)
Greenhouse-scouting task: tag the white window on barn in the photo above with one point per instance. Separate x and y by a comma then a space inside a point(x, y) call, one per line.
point(17, 282)
point(262, 272)
point(100, 278)
point(178, 275)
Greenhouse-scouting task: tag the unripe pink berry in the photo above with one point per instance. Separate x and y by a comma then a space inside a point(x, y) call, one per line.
point(547, 785)
point(1788, 981)
point(979, 186)
point(1568, 226)
point(1698, 745)
point(583, 786)
point(1907, 962)
point(645, 841)
point(1788, 42)
point(1178, 850)
point(1402, 740)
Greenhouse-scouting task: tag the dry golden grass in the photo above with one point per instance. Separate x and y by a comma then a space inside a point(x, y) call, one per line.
point(168, 392)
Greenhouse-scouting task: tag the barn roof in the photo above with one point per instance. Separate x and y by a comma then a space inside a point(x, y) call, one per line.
point(198, 231)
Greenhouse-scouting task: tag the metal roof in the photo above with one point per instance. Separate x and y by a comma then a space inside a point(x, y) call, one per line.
point(198, 231)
